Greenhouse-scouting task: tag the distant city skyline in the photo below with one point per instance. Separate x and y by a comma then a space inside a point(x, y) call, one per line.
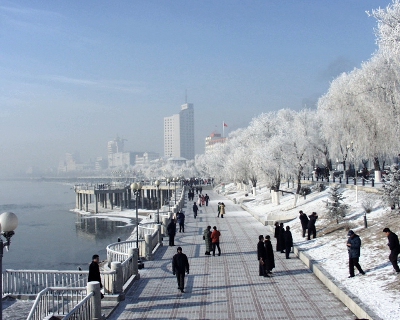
point(78, 73)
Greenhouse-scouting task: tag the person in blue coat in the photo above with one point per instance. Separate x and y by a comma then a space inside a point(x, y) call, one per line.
point(354, 248)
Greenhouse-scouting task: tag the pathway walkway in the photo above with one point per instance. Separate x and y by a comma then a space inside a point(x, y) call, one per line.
point(227, 287)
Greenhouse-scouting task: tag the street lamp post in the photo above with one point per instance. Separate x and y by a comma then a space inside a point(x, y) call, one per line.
point(157, 183)
point(8, 223)
point(136, 187)
point(169, 202)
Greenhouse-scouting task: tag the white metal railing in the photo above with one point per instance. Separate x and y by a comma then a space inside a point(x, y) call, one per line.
point(127, 268)
point(119, 251)
point(146, 228)
point(56, 301)
point(31, 282)
point(82, 311)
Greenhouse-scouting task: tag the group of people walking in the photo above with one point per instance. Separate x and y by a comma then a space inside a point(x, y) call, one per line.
point(265, 256)
point(308, 224)
point(284, 239)
point(212, 240)
point(191, 192)
point(354, 249)
point(221, 209)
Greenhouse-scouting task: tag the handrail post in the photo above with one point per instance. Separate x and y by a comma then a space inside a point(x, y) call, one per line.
point(148, 246)
point(135, 267)
point(131, 254)
point(116, 266)
point(94, 286)
point(159, 235)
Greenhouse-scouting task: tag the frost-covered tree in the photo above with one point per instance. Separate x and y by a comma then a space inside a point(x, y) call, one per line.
point(298, 139)
point(336, 209)
point(391, 187)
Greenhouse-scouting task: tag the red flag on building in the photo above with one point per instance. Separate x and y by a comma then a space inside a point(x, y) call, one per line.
point(225, 125)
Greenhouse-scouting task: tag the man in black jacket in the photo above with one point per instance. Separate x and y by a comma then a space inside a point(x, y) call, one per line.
point(94, 270)
point(171, 230)
point(354, 248)
point(311, 226)
point(262, 257)
point(180, 264)
point(394, 247)
point(304, 222)
point(288, 241)
point(195, 209)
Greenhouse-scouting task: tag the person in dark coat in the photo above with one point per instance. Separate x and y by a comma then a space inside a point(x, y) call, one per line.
point(276, 235)
point(281, 238)
point(311, 226)
point(394, 247)
point(181, 221)
point(207, 198)
point(304, 222)
point(94, 270)
point(195, 209)
point(288, 241)
point(262, 257)
point(180, 264)
point(207, 239)
point(171, 230)
point(354, 248)
point(270, 264)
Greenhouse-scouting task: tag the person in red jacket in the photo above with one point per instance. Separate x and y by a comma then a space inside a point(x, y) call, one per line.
point(215, 240)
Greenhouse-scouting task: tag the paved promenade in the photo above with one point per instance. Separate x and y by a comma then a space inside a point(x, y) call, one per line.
point(227, 286)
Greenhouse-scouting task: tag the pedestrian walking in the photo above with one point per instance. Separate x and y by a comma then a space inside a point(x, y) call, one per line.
point(195, 209)
point(181, 221)
point(261, 257)
point(219, 209)
point(288, 241)
point(311, 226)
point(207, 198)
point(222, 209)
point(276, 235)
point(207, 239)
point(94, 270)
point(281, 238)
point(171, 230)
point(304, 222)
point(354, 248)
point(180, 265)
point(270, 263)
point(215, 235)
point(394, 247)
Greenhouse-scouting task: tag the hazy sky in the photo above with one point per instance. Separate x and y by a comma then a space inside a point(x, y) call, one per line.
point(74, 74)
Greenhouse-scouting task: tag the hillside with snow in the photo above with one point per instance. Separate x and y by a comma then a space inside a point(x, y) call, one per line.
point(379, 288)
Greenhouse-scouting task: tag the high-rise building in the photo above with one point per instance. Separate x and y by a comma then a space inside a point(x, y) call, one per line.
point(179, 133)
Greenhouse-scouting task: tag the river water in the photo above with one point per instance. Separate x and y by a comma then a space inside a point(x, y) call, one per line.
point(49, 235)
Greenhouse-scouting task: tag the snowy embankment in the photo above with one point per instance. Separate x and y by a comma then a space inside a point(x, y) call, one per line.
point(378, 289)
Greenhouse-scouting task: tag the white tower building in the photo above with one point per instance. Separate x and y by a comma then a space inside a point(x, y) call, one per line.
point(179, 133)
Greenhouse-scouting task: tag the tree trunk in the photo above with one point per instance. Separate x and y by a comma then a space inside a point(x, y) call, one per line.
point(377, 167)
point(298, 182)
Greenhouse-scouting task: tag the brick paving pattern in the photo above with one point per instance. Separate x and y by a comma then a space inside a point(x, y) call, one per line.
point(227, 286)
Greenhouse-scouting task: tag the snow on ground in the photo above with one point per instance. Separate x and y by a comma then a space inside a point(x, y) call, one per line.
point(379, 288)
